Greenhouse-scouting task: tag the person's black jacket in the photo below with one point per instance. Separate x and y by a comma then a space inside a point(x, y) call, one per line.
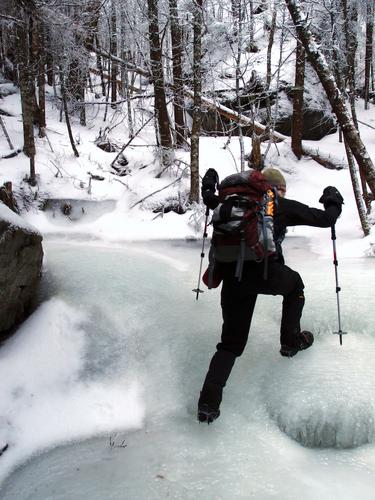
point(293, 213)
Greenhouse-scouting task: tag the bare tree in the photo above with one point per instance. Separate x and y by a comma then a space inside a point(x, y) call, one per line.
point(177, 53)
point(65, 107)
point(41, 60)
point(271, 37)
point(369, 48)
point(337, 101)
point(158, 80)
point(361, 208)
point(27, 88)
point(297, 118)
point(113, 51)
point(197, 102)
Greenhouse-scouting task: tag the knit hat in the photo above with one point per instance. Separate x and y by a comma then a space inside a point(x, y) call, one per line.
point(274, 177)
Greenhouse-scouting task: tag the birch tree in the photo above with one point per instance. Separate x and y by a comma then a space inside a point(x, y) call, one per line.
point(336, 99)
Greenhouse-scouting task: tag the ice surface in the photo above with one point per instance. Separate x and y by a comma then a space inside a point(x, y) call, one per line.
point(325, 397)
point(119, 349)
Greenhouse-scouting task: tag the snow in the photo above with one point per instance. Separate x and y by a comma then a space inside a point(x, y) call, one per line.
point(44, 400)
point(7, 215)
point(119, 345)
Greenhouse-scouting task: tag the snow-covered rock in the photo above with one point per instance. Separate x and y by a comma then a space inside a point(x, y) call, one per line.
point(21, 256)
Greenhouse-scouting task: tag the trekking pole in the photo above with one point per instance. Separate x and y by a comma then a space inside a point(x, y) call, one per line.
point(335, 262)
point(198, 290)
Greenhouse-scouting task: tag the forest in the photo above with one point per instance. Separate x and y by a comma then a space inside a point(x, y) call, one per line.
point(187, 68)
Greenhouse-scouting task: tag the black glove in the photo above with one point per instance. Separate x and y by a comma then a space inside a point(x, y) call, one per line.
point(331, 196)
point(210, 180)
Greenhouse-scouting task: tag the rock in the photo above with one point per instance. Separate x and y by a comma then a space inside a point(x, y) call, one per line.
point(7, 197)
point(316, 124)
point(21, 256)
point(107, 146)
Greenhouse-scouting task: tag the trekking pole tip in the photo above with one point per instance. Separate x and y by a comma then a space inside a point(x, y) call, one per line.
point(340, 333)
point(197, 291)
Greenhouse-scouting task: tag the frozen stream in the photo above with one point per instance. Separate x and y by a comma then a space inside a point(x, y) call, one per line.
point(100, 385)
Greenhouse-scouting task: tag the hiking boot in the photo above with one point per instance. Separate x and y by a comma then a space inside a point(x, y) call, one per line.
point(305, 340)
point(207, 414)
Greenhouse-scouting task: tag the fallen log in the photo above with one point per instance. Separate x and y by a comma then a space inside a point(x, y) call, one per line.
point(242, 120)
point(106, 77)
point(325, 161)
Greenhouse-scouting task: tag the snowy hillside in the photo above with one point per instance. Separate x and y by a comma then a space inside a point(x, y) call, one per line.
point(62, 176)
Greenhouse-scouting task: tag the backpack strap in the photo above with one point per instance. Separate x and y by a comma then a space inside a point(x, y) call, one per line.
point(241, 257)
point(211, 266)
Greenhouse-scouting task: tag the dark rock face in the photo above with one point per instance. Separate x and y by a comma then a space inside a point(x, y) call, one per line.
point(316, 125)
point(21, 256)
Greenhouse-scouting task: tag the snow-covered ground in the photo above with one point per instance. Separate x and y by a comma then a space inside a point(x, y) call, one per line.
point(120, 344)
point(62, 176)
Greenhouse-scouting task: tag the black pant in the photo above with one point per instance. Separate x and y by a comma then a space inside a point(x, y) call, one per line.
point(238, 300)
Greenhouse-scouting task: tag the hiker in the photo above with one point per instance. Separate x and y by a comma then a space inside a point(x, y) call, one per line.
point(239, 294)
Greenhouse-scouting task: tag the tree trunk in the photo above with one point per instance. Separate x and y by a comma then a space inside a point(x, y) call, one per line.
point(41, 83)
point(297, 118)
point(237, 5)
point(333, 93)
point(336, 59)
point(369, 48)
point(49, 68)
point(27, 90)
point(113, 51)
point(92, 14)
point(2, 51)
point(271, 36)
point(251, 46)
point(33, 64)
point(350, 15)
point(66, 112)
point(178, 100)
point(158, 78)
point(125, 77)
point(256, 158)
point(197, 117)
point(99, 63)
point(357, 192)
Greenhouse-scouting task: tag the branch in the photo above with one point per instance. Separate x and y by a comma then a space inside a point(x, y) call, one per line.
point(130, 140)
point(366, 124)
point(158, 191)
point(330, 163)
point(127, 64)
point(10, 18)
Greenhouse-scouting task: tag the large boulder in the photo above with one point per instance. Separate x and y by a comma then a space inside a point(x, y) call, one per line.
point(317, 123)
point(21, 256)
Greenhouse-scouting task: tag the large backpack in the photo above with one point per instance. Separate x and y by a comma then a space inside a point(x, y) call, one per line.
point(242, 223)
